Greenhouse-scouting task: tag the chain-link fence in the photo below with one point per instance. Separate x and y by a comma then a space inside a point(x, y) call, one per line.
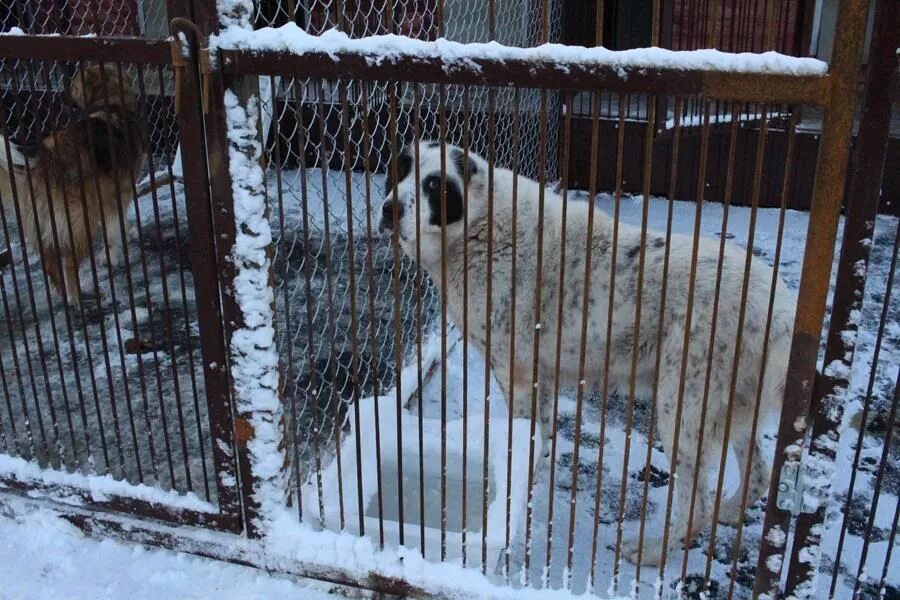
point(130, 18)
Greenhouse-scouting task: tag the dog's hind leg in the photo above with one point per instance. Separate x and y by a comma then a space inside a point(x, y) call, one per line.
point(73, 285)
point(50, 261)
point(730, 512)
point(757, 480)
point(685, 471)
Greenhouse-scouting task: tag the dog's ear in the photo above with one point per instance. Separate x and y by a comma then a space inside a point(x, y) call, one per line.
point(467, 165)
point(404, 166)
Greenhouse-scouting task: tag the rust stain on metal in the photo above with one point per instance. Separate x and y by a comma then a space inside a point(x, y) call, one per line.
point(243, 430)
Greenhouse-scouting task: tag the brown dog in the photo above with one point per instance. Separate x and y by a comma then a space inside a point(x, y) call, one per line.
point(77, 178)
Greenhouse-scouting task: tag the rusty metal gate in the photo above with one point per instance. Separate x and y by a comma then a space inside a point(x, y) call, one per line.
point(125, 393)
point(266, 362)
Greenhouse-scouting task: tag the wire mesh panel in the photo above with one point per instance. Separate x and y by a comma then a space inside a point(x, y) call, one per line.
point(131, 18)
point(100, 351)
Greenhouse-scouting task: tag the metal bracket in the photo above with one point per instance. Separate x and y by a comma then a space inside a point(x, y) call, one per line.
point(182, 54)
point(791, 488)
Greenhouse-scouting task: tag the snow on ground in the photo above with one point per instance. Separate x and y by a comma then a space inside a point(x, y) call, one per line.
point(43, 557)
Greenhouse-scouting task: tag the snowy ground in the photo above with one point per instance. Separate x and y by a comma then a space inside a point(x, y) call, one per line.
point(43, 557)
point(312, 265)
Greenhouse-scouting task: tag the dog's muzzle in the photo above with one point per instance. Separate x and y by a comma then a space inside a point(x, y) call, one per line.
point(390, 210)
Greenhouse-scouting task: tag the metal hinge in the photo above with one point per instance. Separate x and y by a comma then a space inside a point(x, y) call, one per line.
point(791, 488)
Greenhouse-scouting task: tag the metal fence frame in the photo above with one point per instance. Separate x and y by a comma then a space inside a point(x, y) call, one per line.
point(212, 226)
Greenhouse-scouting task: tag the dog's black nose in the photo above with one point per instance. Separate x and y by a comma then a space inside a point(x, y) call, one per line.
point(388, 209)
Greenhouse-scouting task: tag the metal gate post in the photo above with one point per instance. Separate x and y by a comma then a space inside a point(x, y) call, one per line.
point(828, 194)
point(862, 208)
point(205, 270)
point(218, 149)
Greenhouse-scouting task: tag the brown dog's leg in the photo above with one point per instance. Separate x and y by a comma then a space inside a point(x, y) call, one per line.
point(51, 268)
point(73, 285)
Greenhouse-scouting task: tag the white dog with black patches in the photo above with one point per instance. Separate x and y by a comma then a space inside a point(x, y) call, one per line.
point(709, 362)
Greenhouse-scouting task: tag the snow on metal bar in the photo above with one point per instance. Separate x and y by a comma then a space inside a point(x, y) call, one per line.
point(254, 354)
point(381, 48)
point(99, 487)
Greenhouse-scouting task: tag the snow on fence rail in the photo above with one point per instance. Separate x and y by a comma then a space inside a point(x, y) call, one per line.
point(392, 48)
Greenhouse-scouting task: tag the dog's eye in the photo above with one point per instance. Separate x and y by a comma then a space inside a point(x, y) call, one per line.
point(432, 185)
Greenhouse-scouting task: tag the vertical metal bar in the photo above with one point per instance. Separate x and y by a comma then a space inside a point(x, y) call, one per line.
point(370, 269)
point(17, 208)
point(354, 324)
point(419, 375)
point(489, 287)
point(335, 401)
point(367, 150)
point(167, 312)
point(465, 326)
point(645, 214)
point(892, 540)
point(714, 29)
point(551, 486)
point(655, 21)
point(307, 280)
point(771, 26)
point(12, 338)
point(511, 385)
point(176, 378)
point(66, 314)
point(122, 197)
point(30, 192)
point(398, 334)
point(208, 201)
point(862, 208)
point(831, 171)
point(607, 353)
point(492, 20)
point(537, 369)
point(55, 229)
point(282, 249)
point(582, 353)
point(442, 128)
point(600, 22)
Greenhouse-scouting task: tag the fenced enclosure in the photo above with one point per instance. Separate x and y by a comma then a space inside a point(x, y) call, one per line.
point(465, 390)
